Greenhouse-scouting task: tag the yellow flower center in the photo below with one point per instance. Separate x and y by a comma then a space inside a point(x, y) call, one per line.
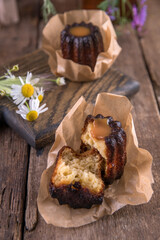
point(27, 90)
point(40, 98)
point(32, 115)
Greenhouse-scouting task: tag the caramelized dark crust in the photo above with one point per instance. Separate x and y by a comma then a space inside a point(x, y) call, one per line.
point(85, 49)
point(74, 194)
point(115, 155)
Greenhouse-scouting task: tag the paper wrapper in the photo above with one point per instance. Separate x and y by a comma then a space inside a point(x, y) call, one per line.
point(67, 68)
point(134, 187)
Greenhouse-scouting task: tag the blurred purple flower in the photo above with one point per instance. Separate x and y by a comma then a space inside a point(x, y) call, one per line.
point(139, 16)
point(111, 12)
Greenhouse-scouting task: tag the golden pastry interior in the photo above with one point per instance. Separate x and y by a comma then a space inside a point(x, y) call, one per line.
point(81, 43)
point(76, 178)
point(80, 31)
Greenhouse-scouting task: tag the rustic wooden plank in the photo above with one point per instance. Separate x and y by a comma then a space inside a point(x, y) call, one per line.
point(90, 4)
point(17, 40)
point(146, 119)
point(7, 16)
point(13, 173)
point(40, 29)
point(20, 39)
point(150, 44)
point(131, 222)
point(62, 7)
point(60, 99)
point(30, 8)
point(37, 163)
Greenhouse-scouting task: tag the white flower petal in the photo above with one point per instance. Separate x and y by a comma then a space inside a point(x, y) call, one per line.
point(18, 101)
point(20, 112)
point(16, 86)
point(37, 103)
point(30, 104)
point(24, 108)
point(42, 106)
point(24, 100)
point(28, 78)
point(43, 110)
point(21, 80)
point(35, 81)
point(16, 96)
point(16, 92)
point(23, 116)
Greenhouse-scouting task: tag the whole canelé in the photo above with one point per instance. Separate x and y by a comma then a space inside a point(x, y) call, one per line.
point(82, 42)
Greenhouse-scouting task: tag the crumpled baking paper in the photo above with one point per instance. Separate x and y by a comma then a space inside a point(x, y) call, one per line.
point(133, 188)
point(67, 68)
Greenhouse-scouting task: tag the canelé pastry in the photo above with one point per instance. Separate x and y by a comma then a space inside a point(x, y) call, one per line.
point(76, 178)
point(109, 138)
point(81, 42)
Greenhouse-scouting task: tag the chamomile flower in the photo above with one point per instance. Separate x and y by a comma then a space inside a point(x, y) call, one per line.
point(33, 110)
point(60, 81)
point(40, 93)
point(25, 91)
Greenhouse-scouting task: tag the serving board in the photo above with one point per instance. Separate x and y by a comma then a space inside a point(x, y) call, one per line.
point(59, 99)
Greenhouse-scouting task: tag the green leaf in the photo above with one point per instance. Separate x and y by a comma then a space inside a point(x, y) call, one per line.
point(115, 3)
point(6, 89)
point(48, 9)
point(103, 5)
point(129, 5)
point(10, 82)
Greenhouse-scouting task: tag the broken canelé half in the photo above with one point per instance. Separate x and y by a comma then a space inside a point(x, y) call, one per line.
point(76, 178)
point(109, 138)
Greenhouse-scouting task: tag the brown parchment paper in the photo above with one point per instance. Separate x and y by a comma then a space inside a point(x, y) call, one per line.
point(134, 187)
point(67, 68)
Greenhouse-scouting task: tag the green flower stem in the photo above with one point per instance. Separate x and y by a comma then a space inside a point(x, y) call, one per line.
point(48, 9)
point(123, 8)
point(27, 105)
point(2, 76)
point(52, 80)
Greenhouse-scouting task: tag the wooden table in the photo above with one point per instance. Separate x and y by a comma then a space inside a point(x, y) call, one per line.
point(21, 167)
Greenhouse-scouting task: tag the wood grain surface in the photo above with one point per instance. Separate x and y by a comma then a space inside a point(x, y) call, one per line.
point(13, 174)
point(21, 168)
point(7, 17)
point(15, 41)
point(151, 48)
point(59, 99)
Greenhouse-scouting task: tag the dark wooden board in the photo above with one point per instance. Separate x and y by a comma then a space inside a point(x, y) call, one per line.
point(60, 99)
